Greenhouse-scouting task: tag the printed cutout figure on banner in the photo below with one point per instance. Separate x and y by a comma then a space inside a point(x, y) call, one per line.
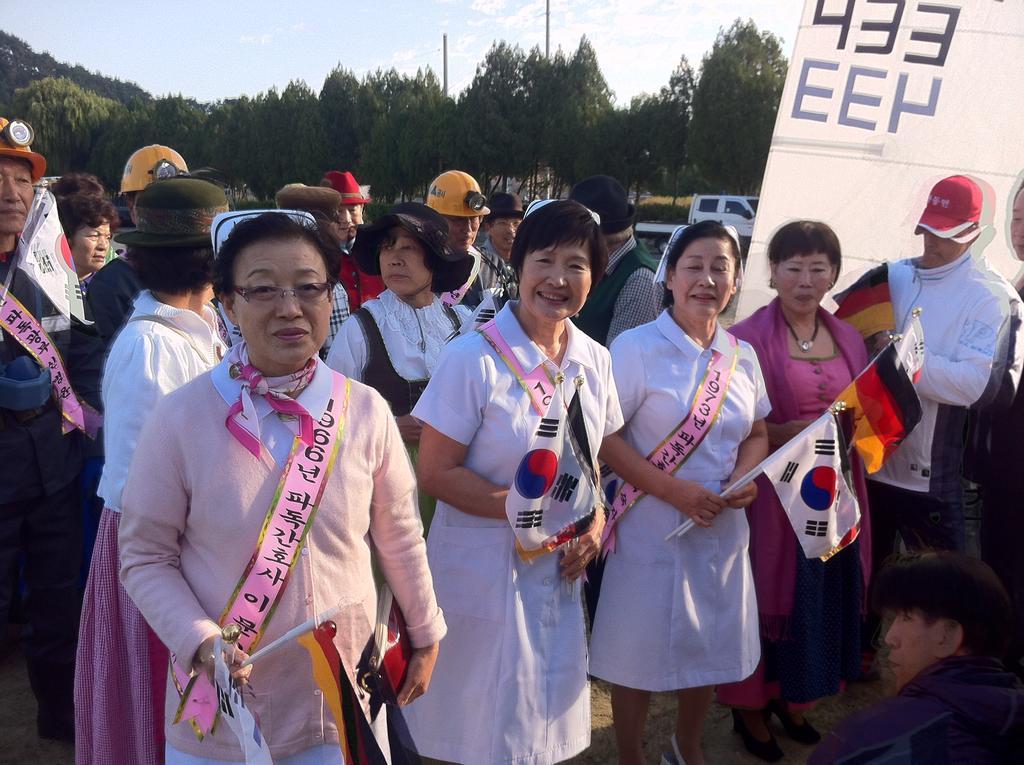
point(882, 100)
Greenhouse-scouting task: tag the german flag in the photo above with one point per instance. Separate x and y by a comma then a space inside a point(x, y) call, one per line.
point(358, 744)
point(884, 406)
point(867, 304)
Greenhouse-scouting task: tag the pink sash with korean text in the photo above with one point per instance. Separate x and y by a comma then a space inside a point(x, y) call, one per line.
point(538, 384)
point(20, 324)
point(454, 297)
point(291, 515)
point(685, 438)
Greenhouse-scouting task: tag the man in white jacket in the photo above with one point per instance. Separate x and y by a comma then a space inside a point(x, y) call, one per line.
point(970, 315)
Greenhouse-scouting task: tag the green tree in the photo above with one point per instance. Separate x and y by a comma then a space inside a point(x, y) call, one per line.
point(408, 132)
point(672, 123)
point(734, 107)
point(578, 98)
point(67, 120)
point(122, 135)
point(339, 99)
point(538, 79)
point(494, 143)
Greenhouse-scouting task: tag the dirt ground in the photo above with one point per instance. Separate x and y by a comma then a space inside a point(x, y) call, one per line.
point(19, 744)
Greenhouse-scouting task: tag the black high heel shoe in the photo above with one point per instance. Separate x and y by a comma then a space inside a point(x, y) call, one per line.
point(768, 751)
point(803, 733)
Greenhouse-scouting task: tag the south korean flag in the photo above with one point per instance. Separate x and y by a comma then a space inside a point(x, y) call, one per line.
point(493, 301)
point(555, 488)
point(810, 475)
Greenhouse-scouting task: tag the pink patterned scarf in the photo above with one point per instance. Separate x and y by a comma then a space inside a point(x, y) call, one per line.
point(243, 422)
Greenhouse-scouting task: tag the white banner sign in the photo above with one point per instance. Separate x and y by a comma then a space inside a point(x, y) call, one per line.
point(883, 99)
point(44, 254)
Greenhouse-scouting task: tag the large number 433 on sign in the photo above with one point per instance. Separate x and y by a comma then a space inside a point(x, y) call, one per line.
point(882, 33)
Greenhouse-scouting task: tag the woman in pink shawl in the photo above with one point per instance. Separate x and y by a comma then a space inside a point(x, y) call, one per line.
point(809, 611)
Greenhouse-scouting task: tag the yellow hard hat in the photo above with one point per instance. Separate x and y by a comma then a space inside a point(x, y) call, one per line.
point(15, 139)
point(457, 194)
point(151, 163)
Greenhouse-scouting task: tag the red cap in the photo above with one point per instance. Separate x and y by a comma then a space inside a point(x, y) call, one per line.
point(953, 210)
point(346, 185)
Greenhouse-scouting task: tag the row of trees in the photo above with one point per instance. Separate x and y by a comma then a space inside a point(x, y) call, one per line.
point(544, 122)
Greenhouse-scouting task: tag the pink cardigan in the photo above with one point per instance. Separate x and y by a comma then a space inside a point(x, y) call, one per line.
point(194, 504)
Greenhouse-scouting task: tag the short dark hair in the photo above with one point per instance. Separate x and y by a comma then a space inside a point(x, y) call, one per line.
point(706, 229)
point(557, 223)
point(77, 183)
point(174, 270)
point(433, 263)
point(948, 585)
point(270, 226)
point(85, 209)
point(805, 237)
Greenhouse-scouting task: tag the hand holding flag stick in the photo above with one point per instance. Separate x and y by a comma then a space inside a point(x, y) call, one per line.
point(736, 485)
point(307, 626)
point(753, 473)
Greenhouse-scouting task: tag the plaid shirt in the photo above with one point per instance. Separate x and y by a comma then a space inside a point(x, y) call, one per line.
point(339, 312)
point(639, 301)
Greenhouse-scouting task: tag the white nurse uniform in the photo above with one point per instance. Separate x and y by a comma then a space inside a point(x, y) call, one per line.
point(679, 614)
point(510, 684)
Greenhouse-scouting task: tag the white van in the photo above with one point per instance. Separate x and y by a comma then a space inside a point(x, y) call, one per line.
point(655, 235)
point(728, 210)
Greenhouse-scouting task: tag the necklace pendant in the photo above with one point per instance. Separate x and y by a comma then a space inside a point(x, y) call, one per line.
point(805, 346)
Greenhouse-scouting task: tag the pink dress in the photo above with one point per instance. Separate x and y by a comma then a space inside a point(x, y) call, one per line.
point(814, 385)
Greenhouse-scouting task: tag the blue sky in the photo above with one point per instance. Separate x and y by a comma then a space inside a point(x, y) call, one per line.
point(212, 50)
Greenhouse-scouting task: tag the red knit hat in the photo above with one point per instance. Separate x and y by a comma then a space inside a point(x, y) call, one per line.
point(345, 184)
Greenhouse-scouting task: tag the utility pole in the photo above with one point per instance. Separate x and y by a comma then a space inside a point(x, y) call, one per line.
point(445, 48)
point(547, 29)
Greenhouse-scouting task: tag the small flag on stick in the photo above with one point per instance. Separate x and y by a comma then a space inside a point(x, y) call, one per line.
point(882, 399)
point(810, 476)
point(358, 744)
point(867, 304)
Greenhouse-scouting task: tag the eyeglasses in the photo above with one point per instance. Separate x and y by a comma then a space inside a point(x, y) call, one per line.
point(309, 294)
point(512, 223)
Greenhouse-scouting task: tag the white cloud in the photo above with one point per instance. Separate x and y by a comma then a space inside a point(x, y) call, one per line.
point(263, 39)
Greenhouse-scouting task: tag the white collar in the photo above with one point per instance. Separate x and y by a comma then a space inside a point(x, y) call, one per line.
point(939, 272)
point(675, 335)
point(579, 348)
point(314, 397)
point(203, 327)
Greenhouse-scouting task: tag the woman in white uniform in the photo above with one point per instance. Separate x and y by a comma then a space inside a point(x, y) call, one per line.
point(511, 679)
point(393, 343)
point(681, 615)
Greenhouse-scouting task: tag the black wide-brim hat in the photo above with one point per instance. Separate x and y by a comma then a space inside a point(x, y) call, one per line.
point(176, 212)
point(605, 196)
point(451, 268)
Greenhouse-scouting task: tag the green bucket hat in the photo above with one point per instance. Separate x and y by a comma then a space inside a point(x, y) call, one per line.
point(176, 212)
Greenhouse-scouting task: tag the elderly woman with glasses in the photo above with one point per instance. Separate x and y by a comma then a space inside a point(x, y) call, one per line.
point(512, 418)
point(257, 496)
